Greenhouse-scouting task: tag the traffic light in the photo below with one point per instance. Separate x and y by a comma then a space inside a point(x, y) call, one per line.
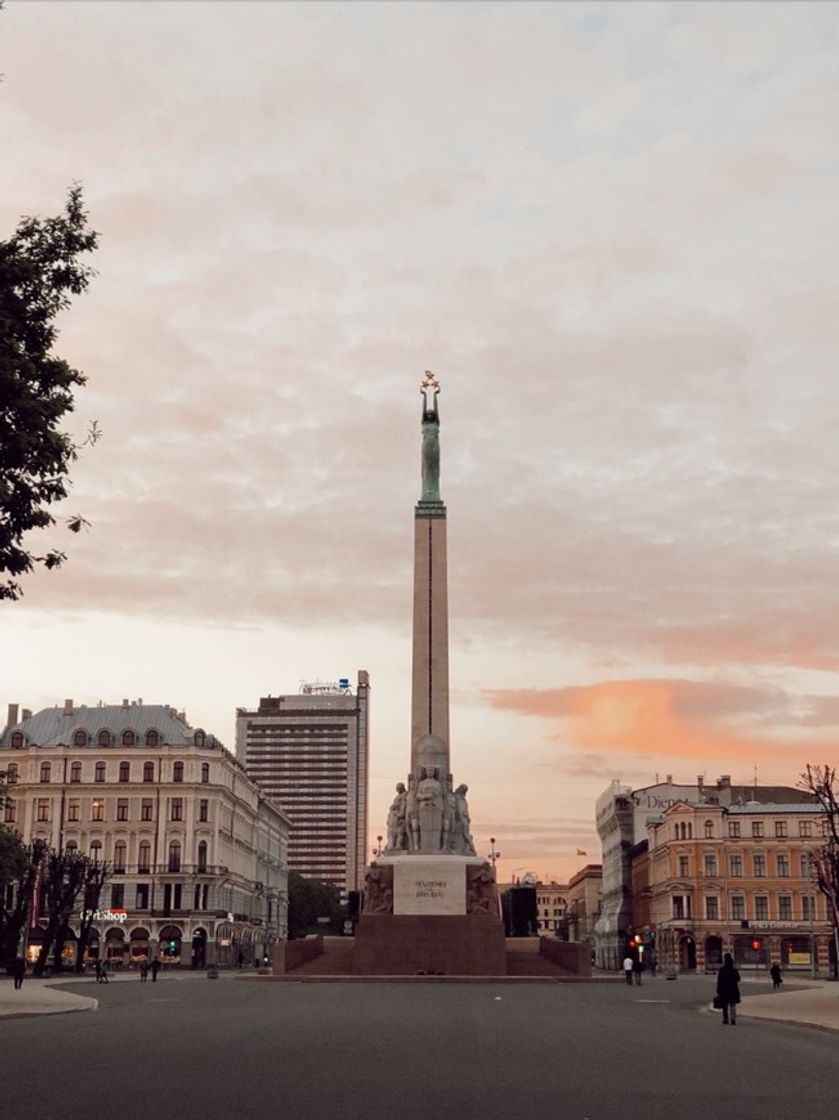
point(170, 946)
point(755, 943)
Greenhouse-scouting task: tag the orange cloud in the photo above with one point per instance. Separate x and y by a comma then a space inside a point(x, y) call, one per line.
point(678, 718)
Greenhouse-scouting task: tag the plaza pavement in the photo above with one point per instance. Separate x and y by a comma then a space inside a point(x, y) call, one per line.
point(812, 1003)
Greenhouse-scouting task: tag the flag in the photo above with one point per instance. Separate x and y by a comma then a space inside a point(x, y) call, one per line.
point(580, 852)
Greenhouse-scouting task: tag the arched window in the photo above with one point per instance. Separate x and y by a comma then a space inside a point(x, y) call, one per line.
point(152, 739)
point(144, 857)
point(148, 771)
point(80, 739)
point(178, 772)
point(199, 738)
point(11, 774)
point(96, 850)
point(99, 773)
point(175, 855)
point(17, 740)
point(202, 856)
point(104, 739)
point(690, 832)
point(119, 857)
point(75, 771)
point(205, 772)
point(709, 830)
point(71, 846)
point(128, 738)
point(45, 771)
point(125, 771)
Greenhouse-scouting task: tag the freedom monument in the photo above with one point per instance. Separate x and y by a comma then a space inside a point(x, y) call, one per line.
point(430, 903)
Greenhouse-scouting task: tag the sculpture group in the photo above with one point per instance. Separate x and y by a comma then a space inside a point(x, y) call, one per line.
point(429, 817)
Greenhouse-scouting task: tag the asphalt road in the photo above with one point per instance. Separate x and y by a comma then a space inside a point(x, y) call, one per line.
point(197, 1049)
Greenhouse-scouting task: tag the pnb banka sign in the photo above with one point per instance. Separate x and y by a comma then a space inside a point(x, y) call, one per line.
point(104, 915)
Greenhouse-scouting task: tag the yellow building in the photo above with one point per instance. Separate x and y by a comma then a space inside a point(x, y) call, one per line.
point(734, 879)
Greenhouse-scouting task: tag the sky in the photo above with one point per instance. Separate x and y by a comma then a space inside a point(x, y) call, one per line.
point(609, 230)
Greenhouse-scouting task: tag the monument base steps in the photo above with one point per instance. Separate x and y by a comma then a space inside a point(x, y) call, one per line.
point(448, 944)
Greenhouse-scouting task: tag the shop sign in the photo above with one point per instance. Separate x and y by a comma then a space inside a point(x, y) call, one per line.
point(105, 915)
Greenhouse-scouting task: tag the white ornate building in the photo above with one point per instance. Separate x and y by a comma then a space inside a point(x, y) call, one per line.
point(199, 853)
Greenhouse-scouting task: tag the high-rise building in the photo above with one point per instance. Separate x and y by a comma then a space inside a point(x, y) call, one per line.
point(309, 751)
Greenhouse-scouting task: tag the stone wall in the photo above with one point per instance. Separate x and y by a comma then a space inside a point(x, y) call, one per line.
point(288, 955)
point(573, 956)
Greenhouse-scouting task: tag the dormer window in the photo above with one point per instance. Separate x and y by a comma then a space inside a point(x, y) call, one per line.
point(152, 739)
point(128, 738)
point(80, 739)
point(104, 739)
point(17, 740)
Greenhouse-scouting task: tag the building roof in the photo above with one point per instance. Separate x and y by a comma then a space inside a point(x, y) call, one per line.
point(751, 807)
point(52, 726)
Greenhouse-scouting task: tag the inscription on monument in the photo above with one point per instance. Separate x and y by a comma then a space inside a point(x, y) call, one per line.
point(429, 888)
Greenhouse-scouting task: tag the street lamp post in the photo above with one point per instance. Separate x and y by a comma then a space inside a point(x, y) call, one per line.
point(493, 854)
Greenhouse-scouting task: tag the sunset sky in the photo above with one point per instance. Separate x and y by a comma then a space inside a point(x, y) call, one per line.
point(610, 230)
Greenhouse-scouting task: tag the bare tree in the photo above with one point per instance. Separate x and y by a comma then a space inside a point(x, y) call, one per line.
point(20, 866)
point(64, 876)
point(95, 877)
point(821, 782)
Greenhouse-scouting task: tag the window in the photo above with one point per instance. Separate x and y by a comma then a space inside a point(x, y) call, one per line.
point(148, 771)
point(103, 739)
point(99, 772)
point(125, 771)
point(152, 739)
point(759, 865)
point(683, 867)
point(97, 810)
point(709, 830)
point(711, 866)
point(144, 857)
point(735, 866)
point(757, 828)
point(203, 809)
point(75, 771)
point(780, 828)
point(71, 847)
point(10, 812)
point(122, 809)
point(80, 739)
point(199, 738)
point(205, 772)
point(146, 809)
point(11, 774)
point(805, 865)
point(17, 740)
point(808, 908)
point(678, 905)
point(73, 809)
point(202, 856)
point(782, 861)
point(784, 908)
point(738, 906)
point(177, 809)
point(45, 771)
point(805, 828)
point(175, 856)
point(142, 901)
point(178, 772)
point(118, 896)
point(176, 901)
point(96, 850)
point(734, 830)
point(205, 891)
point(128, 738)
point(712, 907)
point(119, 857)
point(761, 907)
point(43, 809)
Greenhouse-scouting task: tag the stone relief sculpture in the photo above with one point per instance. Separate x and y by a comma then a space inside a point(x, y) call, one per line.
point(378, 890)
point(463, 836)
point(480, 891)
point(412, 815)
point(430, 803)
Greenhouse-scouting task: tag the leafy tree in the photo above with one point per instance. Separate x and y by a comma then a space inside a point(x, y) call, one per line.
point(20, 865)
point(308, 900)
point(96, 875)
point(40, 269)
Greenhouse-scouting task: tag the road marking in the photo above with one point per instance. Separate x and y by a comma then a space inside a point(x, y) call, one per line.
point(652, 1001)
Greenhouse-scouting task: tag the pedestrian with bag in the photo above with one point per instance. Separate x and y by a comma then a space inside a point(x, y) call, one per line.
point(728, 990)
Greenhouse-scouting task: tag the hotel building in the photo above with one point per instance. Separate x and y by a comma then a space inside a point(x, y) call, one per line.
point(310, 751)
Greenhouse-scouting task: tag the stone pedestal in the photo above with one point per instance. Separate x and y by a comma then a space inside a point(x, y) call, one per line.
point(432, 914)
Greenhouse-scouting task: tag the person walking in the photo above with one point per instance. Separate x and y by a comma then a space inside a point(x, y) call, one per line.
point(19, 972)
point(103, 973)
point(144, 970)
point(155, 968)
point(627, 969)
point(728, 990)
point(637, 969)
point(97, 968)
point(777, 979)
